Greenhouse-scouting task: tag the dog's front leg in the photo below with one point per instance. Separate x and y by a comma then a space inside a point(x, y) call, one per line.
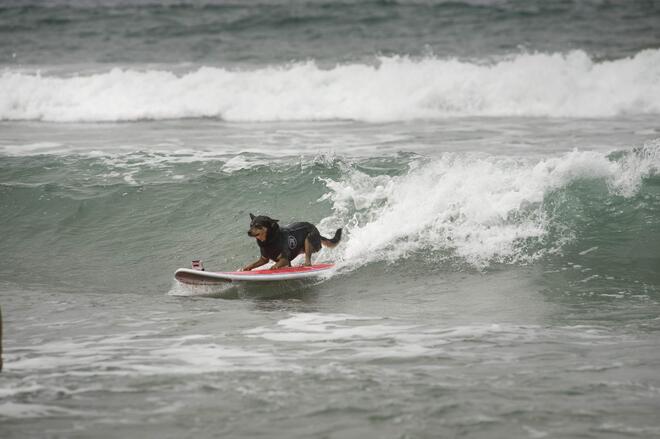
point(281, 262)
point(262, 260)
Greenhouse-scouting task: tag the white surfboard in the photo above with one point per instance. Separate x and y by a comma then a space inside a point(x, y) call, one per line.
point(199, 277)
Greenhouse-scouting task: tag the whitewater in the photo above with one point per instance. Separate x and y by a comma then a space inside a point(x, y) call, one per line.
point(389, 89)
point(482, 208)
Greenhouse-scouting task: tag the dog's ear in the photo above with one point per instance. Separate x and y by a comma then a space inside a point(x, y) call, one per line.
point(274, 220)
point(251, 216)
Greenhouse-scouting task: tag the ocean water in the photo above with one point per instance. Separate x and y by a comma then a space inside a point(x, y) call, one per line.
point(494, 165)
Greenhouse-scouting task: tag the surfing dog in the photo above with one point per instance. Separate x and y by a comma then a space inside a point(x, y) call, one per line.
point(283, 244)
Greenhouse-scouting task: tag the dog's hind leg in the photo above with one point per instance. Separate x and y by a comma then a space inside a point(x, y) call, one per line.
point(309, 249)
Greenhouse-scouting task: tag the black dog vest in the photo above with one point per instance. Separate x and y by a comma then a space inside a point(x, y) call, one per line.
point(289, 241)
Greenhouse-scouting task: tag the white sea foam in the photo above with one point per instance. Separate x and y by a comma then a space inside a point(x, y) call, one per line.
point(337, 336)
point(34, 148)
point(324, 327)
point(22, 410)
point(135, 354)
point(395, 88)
point(480, 207)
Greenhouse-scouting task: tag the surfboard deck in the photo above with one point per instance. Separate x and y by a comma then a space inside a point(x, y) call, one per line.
point(198, 277)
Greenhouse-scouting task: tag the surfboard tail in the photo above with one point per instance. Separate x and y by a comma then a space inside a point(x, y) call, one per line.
point(331, 242)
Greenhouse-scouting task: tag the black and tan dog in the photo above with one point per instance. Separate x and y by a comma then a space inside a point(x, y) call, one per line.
point(283, 244)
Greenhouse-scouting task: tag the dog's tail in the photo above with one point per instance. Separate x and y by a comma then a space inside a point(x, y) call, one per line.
point(331, 242)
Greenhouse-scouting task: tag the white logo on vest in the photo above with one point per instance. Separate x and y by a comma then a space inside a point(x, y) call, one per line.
point(292, 242)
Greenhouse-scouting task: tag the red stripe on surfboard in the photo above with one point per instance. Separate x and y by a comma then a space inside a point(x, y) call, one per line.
point(267, 272)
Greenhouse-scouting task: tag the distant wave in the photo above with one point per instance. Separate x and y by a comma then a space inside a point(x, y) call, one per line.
point(569, 85)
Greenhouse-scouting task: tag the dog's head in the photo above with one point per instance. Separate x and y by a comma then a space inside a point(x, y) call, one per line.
point(262, 226)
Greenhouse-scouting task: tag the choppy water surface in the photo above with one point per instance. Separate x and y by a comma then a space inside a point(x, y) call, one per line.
point(494, 166)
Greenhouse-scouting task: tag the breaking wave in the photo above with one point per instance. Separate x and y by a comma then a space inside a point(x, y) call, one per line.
point(571, 85)
point(99, 213)
point(484, 209)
